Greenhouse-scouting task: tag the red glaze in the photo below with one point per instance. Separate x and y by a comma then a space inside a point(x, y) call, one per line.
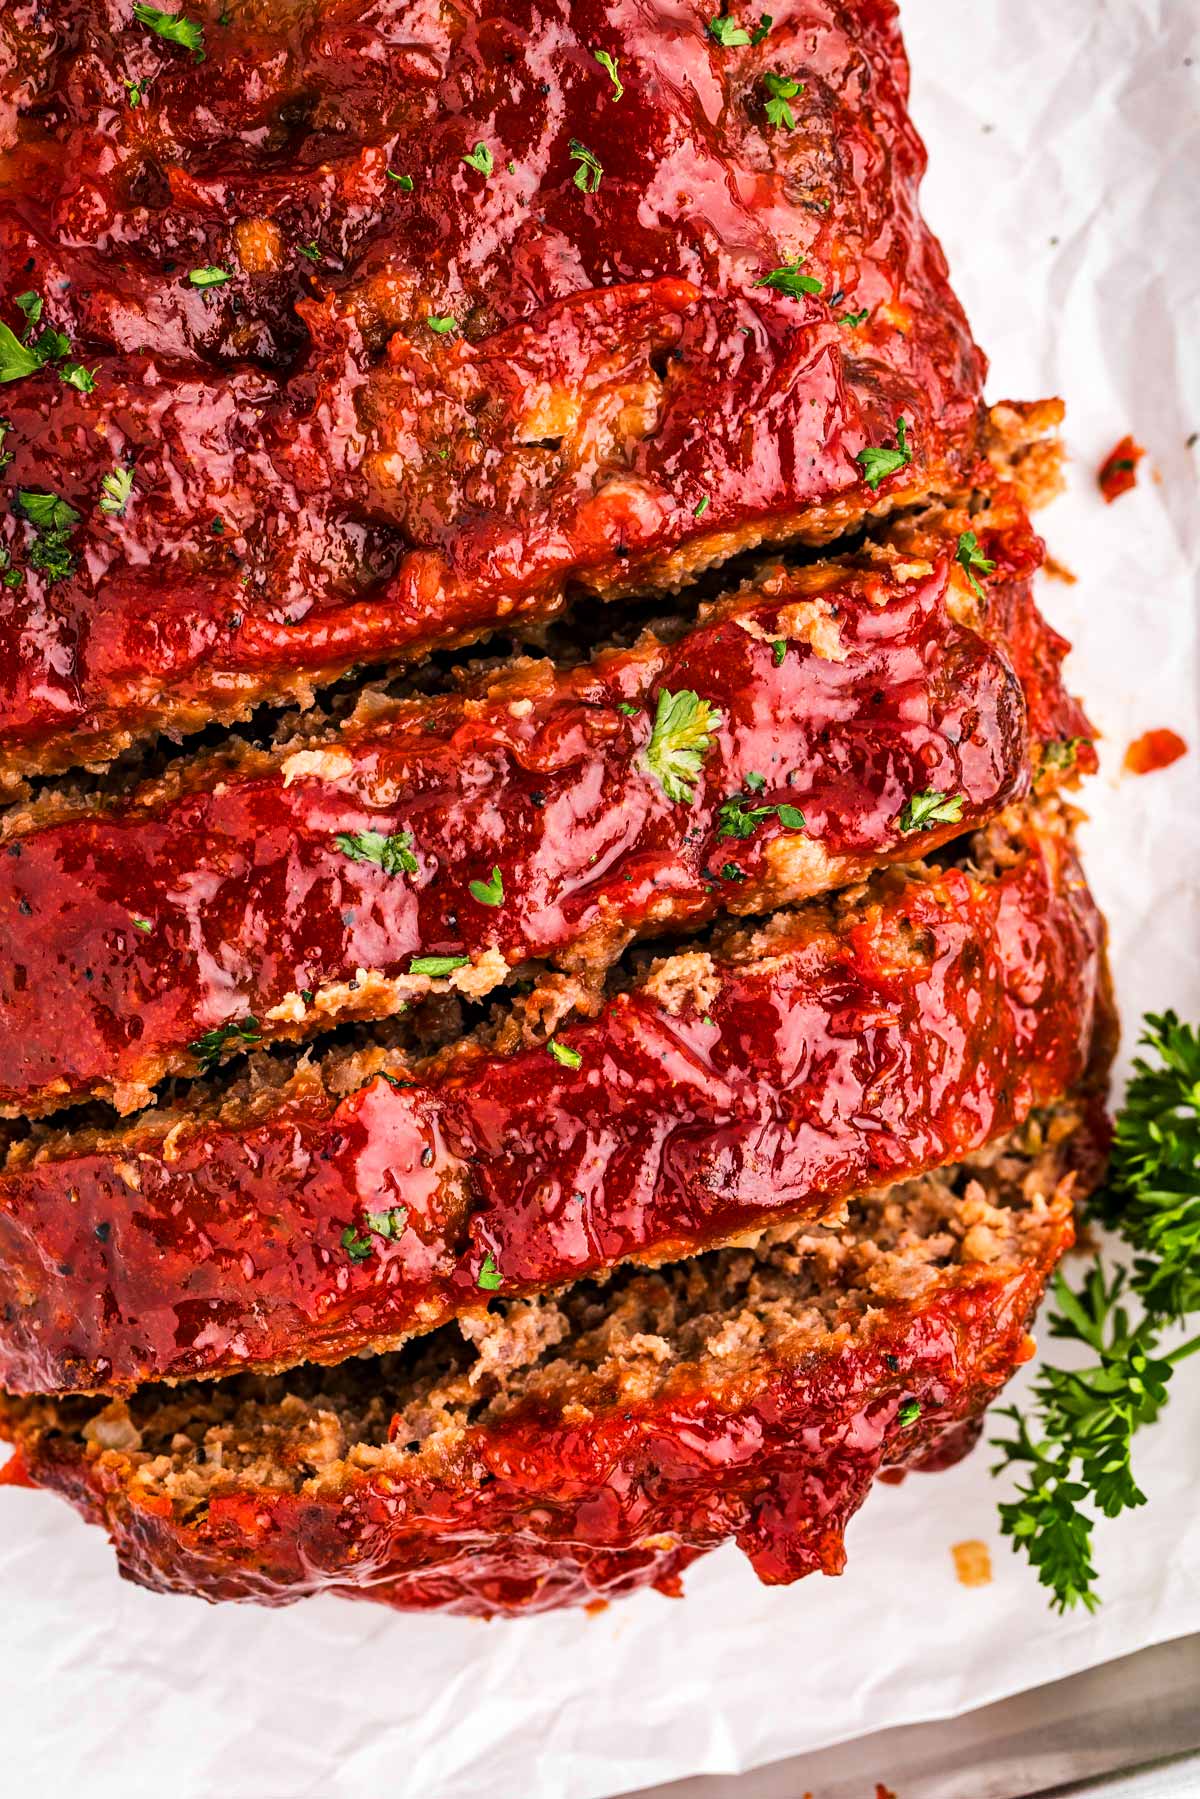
point(321, 479)
point(832, 1059)
point(1118, 473)
point(537, 1512)
point(1154, 750)
point(242, 896)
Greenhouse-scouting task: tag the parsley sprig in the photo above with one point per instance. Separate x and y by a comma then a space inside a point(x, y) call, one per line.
point(679, 742)
point(738, 818)
point(788, 280)
point(1075, 1450)
point(174, 27)
point(27, 354)
point(878, 462)
point(393, 853)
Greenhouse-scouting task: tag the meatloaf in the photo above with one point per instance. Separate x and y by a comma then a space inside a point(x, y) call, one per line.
point(377, 332)
point(764, 1077)
point(568, 1449)
point(771, 752)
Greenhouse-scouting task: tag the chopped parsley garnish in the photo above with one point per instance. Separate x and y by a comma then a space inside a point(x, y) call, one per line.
point(208, 1048)
point(701, 507)
point(779, 650)
point(731, 872)
point(489, 893)
point(728, 33)
point(489, 1276)
point(175, 27)
point(921, 810)
point(209, 277)
point(970, 557)
point(141, 924)
point(629, 710)
point(356, 1247)
point(878, 463)
point(437, 967)
point(388, 1224)
point(135, 92)
point(755, 782)
point(909, 1412)
point(443, 326)
point(788, 280)
point(1062, 752)
point(21, 356)
point(609, 65)
point(1075, 1451)
point(738, 818)
point(562, 1052)
point(403, 182)
point(116, 491)
point(480, 158)
point(679, 742)
point(765, 22)
point(590, 171)
point(312, 250)
point(393, 854)
point(855, 319)
point(53, 521)
point(781, 88)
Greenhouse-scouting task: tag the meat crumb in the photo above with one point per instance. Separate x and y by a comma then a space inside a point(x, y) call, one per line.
point(972, 1563)
point(1118, 471)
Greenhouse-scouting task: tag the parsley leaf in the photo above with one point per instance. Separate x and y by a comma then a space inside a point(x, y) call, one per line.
point(679, 742)
point(909, 1412)
point(788, 280)
point(1062, 752)
point(443, 326)
point(877, 464)
point(208, 1048)
point(356, 1247)
point(728, 33)
point(921, 810)
point(437, 967)
point(765, 22)
point(388, 1224)
point(16, 358)
point(20, 357)
point(629, 710)
point(175, 27)
point(116, 491)
point(403, 182)
point(209, 277)
point(54, 521)
point(393, 854)
point(970, 557)
point(73, 374)
point(141, 924)
point(1075, 1452)
point(609, 65)
point(489, 1276)
point(854, 319)
point(480, 158)
point(736, 817)
point(590, 172)
point(489, 893)
point(312, 250)
point(562, 1052)
point(701, 506)
point(781, 88)
point(31, 305)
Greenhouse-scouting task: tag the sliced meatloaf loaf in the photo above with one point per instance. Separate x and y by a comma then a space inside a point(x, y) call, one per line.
point(558, 1451)
point(417, 320)
point(818, 723)
point(762, 1078)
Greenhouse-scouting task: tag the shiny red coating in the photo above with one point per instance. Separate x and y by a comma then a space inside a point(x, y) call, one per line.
point(129, 934)
point(322, 477)
point(1118, 472)
point(537, 1512)
point(828, 1059)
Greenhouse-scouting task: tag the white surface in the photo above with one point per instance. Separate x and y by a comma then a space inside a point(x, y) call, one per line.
point(1065, 143)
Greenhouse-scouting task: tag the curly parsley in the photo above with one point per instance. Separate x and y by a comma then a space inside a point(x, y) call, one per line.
point(679, 742)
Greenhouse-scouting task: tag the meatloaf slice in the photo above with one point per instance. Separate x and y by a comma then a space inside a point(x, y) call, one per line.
point(406, 338)
point(567, 1449)
point(770, 754)
point(761, 1078)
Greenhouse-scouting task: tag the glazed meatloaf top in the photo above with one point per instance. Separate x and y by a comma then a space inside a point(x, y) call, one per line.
point(335, 337)
point(558, 1451)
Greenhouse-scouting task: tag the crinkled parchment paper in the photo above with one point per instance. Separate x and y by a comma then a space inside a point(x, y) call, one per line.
point(1065, 150)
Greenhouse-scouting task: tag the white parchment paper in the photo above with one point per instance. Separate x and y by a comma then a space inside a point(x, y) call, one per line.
point(1065, 163)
